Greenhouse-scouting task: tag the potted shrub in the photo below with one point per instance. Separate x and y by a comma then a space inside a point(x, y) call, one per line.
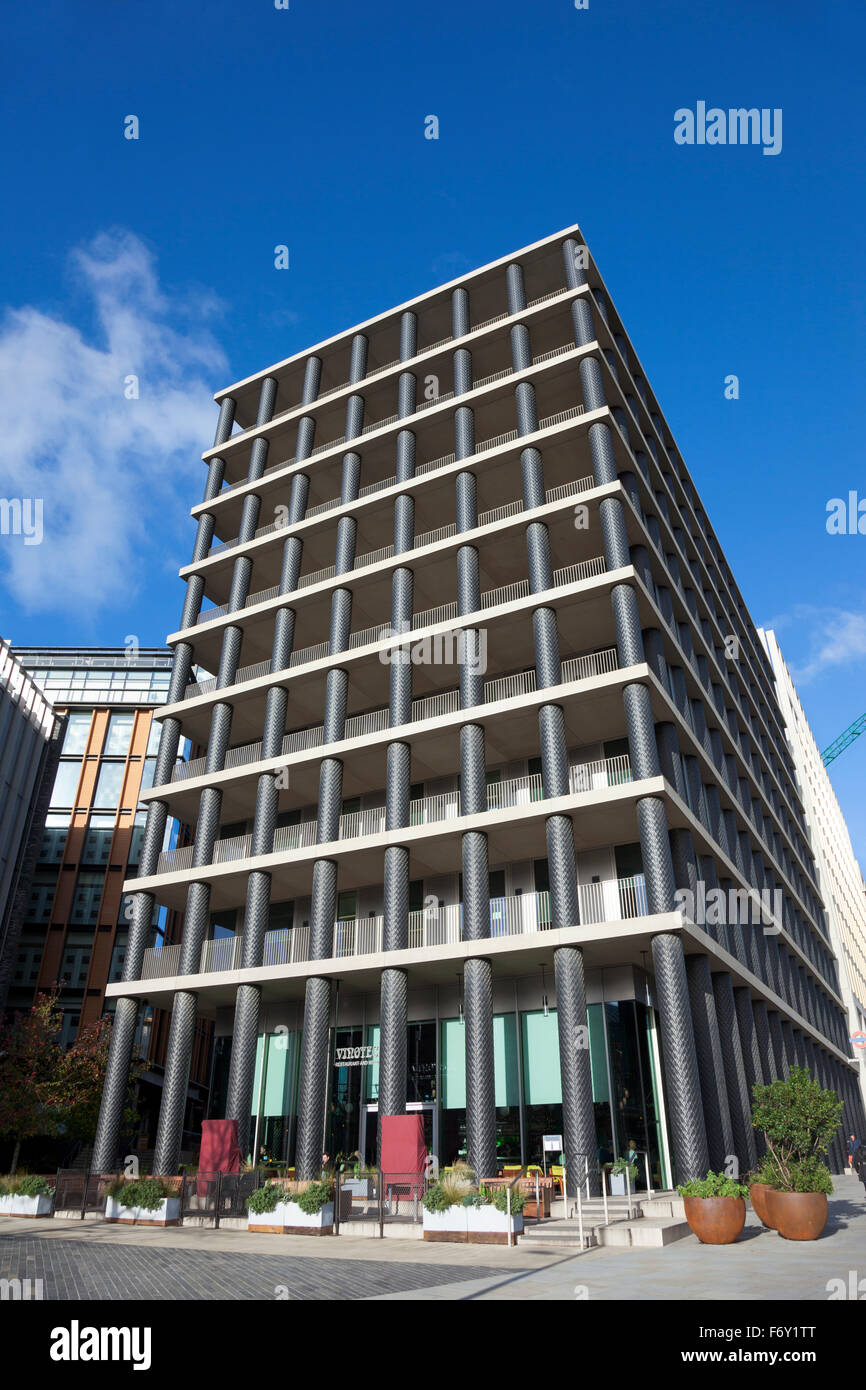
point(292, 1208)
point(618, 1172)
point(715, 1208)
point(453, 1212)
point(27, 1196)
point(798, 1119)
point(760, 1183)
point(142, 1202)
point(355, 1180)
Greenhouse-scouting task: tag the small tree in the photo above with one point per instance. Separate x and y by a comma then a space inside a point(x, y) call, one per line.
point(76, 1091)
point(30, 1059)
point(798, 1119)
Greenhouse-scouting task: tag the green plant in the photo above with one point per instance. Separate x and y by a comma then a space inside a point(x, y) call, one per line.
point(474, 1199)
point(267, 1198)
point(810, 1175)
point(713, 1185)
point(498, 1198)
point(440, 1196)
point(33, 1186)
point(146, 1193)
point(798, 1119)
point(314, 1197)
point(622, 1166)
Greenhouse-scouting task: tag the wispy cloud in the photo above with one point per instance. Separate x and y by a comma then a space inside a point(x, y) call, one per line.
point(110, 468)
point(826, 638)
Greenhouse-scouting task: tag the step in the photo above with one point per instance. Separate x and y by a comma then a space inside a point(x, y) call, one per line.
point(664, 1206)
point(647, 1233)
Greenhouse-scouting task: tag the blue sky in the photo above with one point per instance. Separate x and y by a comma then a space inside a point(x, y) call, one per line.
point(305, 127)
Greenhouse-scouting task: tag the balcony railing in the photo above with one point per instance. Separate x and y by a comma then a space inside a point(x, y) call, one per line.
point(506, 593)
point(430, 466)
point(576, 668)
point(432, 347)
point(385, 552)
point(615, 900)
point(426, 810)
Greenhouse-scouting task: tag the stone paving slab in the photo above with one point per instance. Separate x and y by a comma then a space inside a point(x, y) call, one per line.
point(94, 1260)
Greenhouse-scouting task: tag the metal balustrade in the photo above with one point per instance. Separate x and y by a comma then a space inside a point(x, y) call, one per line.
point(430, 707)
point(506, 438)
point(425, 810)
point(523, 914)
point(385, 552)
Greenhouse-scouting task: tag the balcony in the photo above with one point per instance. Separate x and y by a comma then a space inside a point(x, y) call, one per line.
point(432, 707)
point(445, 612)
point(427, 810)
point(614, 900)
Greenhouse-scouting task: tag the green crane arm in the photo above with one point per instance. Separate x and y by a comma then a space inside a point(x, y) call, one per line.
point(841, 743)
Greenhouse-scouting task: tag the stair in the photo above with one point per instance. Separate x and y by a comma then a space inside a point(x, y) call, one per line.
point(650, 1223)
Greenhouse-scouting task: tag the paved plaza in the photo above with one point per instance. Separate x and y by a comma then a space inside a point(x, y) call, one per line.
point(90, 1259)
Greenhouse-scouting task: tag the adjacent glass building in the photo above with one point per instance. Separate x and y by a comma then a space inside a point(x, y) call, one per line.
point(487, 726)
point(73, 927)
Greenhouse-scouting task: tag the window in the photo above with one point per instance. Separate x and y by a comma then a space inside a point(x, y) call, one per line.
point(153, 738)
point(97, 841)
point(88, 892)
point(119, 735)
point(110, 784)
point(66, 784)
point(77, 730)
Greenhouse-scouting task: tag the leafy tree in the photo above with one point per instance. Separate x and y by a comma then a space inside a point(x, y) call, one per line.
point(46, 1089)
point(798, 1119)
point(30, 1059)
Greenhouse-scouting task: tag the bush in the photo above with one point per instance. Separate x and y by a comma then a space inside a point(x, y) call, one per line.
point(439, 1198)
point(498, 1198)
point(713, 1185)
point(798, 1119)
point(621, 1166)
point(267, 1198)
point(146, 1193)
point(314, 1197)
point(33, 1187)
point(810, 1175)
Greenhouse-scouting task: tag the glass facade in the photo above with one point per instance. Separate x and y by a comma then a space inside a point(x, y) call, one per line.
point(528, 1091)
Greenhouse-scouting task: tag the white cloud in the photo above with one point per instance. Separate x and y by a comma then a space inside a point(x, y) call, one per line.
point(111, 471)
point(829, 637)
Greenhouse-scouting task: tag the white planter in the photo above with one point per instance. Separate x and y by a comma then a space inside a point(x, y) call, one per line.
point(166, 1214)
point(453, 1220)
point(617, 1184)
point(25, 1206)
point(488, 1219)
point(475, 1225)
point(288, 1218)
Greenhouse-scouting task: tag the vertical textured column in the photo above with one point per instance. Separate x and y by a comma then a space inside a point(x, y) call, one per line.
point(478, 973)
point(777, 1042)
point(578, 1115)
point(720, 1135)
point(736, 1081)
point(762, 1035)
point(751, 1049)
point(394, 984)
point(105, 1148)
point(313, 1086)
point(688, 1130)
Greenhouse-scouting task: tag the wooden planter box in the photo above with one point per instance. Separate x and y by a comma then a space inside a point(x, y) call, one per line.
point(166, 1214)
point(25, 1206)
point(471, 1225)
point(287, 1219)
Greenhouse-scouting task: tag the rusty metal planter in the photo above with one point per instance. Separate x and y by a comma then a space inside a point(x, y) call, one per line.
point(798, 1215)
point(716, 1220)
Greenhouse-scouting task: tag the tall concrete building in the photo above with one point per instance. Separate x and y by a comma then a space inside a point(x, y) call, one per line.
point(28, 727)
point(839, 877)
point(488, 727)
point(72, 927)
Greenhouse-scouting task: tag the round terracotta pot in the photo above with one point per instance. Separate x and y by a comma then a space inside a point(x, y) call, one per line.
point(715, 1220)
point(758, 1197)
point(797, 1215)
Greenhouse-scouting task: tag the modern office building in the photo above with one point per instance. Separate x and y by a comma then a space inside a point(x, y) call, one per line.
point(72, 928)
point(485, 699)
point(28, 730)
point(839, 878)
